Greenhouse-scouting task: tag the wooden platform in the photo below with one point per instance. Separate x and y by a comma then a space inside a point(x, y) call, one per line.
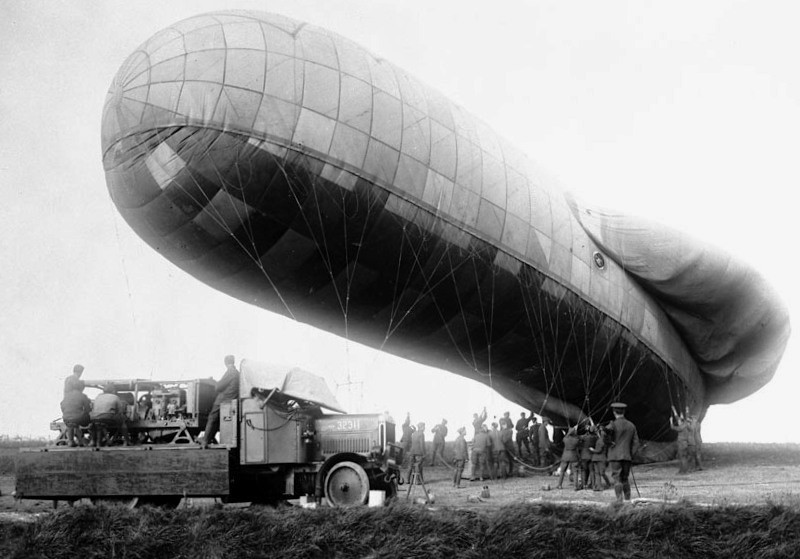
point(62, 472)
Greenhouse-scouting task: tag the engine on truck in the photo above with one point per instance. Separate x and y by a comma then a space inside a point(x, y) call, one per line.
point(168, 411)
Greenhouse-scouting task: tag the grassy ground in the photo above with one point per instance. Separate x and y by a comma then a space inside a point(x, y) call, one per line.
point(400, 530)
point(746, 502)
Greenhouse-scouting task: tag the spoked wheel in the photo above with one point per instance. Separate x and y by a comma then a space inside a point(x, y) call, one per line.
point(346, 485)
point(163, 501)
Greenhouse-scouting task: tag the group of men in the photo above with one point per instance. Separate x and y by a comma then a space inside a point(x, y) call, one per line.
point(492, 449)
point(587, 455)
point(107, 414)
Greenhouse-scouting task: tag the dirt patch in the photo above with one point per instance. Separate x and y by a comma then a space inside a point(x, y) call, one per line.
point(733, 474)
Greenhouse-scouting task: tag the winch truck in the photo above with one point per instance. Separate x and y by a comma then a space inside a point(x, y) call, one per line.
point(275, 443)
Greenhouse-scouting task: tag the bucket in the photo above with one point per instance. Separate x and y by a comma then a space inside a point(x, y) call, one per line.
point(377, 497)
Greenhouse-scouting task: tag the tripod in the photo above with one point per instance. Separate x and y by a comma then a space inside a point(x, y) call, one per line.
point(416, 479)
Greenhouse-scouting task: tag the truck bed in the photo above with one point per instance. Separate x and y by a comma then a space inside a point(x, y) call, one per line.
point(153, 470)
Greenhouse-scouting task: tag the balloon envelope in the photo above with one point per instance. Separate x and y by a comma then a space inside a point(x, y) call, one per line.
point(288, 167)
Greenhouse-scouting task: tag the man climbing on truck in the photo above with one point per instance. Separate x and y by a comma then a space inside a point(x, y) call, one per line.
point(227, 389)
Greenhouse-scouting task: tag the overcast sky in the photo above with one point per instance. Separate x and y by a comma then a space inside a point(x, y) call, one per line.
point(684, 112)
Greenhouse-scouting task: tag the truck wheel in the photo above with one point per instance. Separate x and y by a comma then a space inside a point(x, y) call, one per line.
point(346, 485)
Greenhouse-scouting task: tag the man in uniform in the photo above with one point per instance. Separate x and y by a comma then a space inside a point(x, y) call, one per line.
point(570, 458)
point(109, 411)
point(405, 439)
point(459, 456)
point(417, 450)
point(481, 446)
point(74, 382)
point(497, 446)
point(478, 419)
point(506, 420)
point(599, 461)
point(439, 433)
point(625, 444)
point(534, 437)
point(545, 456)
point(227, 389)
point(506, 438)
point(75, 408)
point(679, 424)
point(523, 434)
point(695, 443)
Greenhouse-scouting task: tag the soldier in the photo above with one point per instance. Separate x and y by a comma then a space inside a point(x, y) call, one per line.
point(523, 434)
point(73, 381)
point(625, 444)
point(405, 440)
point(75, 408)
point(569, 458)
point(497, 449)
point(459, 456)
point(227, 388)
point(599, 460)
point(587, 441)
point(506, 420)
point(109, 411)
point(534, 437)
point(677, 423)
point(478, 419)
point(417, 450)
point(558, 438)
point(695, 450)
point(545, 456)
point(506, 439)
point(439, 433)
point(481, 446)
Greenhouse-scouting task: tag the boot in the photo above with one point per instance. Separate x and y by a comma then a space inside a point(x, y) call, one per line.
point(626, 490)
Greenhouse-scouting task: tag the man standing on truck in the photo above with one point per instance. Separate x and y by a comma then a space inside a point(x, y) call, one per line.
point(75, 408)
point(227, 389)
point(74, 382)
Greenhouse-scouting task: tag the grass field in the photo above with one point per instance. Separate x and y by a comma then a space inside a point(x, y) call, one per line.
point(745, 503)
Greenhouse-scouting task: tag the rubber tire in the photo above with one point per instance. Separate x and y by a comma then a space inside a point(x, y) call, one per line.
point(346, 485)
